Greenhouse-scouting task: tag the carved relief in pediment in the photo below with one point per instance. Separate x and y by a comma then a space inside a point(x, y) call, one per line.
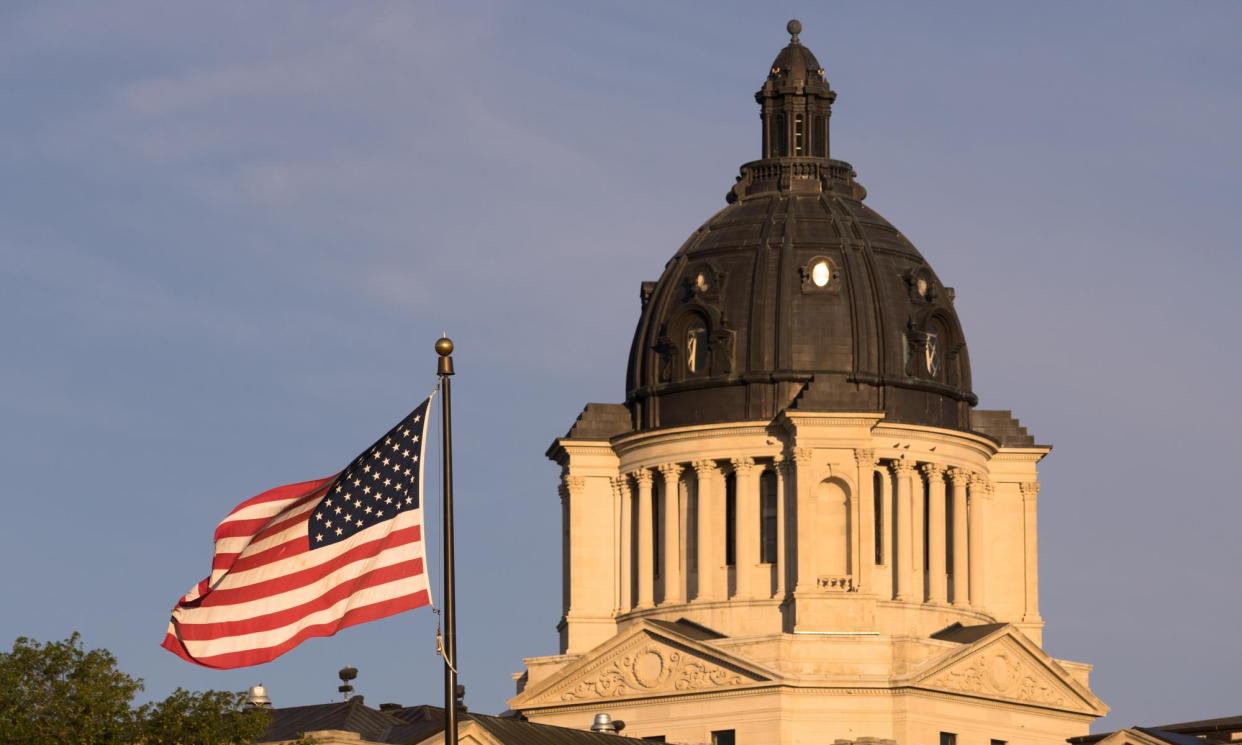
point(1004, 671)
point(645, 666)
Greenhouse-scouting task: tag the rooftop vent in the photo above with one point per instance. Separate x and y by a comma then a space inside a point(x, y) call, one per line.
point(256, 698)
point(605, 723)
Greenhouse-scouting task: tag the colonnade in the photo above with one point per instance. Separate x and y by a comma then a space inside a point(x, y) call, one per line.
point(691, 531)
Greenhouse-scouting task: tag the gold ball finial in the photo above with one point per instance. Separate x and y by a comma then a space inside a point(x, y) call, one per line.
point(444, 346)
point(794, 28)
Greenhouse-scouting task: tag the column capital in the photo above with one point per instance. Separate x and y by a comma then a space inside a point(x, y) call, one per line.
point(901, 466)
point(742, 466)
point(574, 484)
point(864, 456)
point(933, 471)
point(981, 484)
point(959, 476)
point(1030, 490)
point(670, 471)
point(620, 485)
point(802, 456)
point(642, 477)
point(705, 468)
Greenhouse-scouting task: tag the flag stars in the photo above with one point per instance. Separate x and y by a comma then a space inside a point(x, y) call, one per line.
point(339, 531)
point(319, 538)
point(358, 503)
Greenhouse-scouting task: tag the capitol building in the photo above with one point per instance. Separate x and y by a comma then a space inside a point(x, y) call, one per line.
point(797, 527)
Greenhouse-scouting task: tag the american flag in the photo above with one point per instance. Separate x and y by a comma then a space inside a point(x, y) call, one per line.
point(312, 558)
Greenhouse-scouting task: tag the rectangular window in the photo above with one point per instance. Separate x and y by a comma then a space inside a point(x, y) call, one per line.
point(730, 520)
point(767, 517)
point(926, 523)
point(877, 512)
point(655, 529)
point(948, 738)
point(1000, 742)
point(724, 737)
point(654, 738)
point(798, 135)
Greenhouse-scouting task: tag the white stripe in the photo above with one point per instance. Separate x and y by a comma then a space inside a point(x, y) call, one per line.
point(297, 596)
point(319, 556)
point(242, 544)
point(262, 509)
point(274, 637)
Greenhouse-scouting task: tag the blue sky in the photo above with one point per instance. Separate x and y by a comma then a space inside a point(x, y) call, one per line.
point(229, 237)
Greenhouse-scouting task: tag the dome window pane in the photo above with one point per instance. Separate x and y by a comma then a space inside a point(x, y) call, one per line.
point(696, 347)
point(821, 273)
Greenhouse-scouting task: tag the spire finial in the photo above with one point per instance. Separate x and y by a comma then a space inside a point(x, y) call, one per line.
point(794, 28)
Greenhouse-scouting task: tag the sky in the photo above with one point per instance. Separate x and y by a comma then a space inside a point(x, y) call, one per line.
point(230, 234)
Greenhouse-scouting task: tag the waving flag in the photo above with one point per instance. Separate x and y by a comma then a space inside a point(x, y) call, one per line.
point(312, 558)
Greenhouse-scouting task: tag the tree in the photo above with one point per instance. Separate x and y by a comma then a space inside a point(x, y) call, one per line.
point(207, 718)
point(59, 693)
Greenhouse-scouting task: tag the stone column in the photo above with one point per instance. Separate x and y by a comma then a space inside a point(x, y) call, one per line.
point(959, 478)
point(747, 525)
point(646, 541)
point(1030, 495)
point(978, 540)
point(670, 567)
point(781, 468)
point(864, 521)
point(903, 474)
point(625, 550)
point(937, 576)
point(804, 520)
point(710, 550)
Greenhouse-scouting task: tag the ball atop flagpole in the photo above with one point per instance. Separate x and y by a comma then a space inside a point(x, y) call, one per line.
point(444, 348)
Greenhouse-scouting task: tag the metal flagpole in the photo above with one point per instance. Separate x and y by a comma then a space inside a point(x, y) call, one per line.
point(444, 348)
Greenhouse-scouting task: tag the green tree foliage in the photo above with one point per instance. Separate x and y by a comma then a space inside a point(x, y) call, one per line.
point(59, 693)
point(207, 718)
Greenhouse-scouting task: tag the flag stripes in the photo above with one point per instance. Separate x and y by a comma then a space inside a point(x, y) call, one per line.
point(309, 559)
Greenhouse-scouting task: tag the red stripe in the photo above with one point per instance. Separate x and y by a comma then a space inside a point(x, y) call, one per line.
point(298, 544)
point(220, 629)
point(285, 522)
point(287, 491)
point(355, 616)
point(310, 575)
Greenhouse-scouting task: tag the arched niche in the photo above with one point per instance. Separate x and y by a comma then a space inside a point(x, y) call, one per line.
point(832, 527)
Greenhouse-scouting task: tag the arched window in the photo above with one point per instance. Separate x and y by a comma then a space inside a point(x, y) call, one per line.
point(934, 341)
point(820, 136)
point(696, 347)
point(877, 510)
point(767, 517)
point(730, 519)
point(779, 136)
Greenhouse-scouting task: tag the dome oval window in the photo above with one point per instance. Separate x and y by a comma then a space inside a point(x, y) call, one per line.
point(821, 273)
point(921, 286)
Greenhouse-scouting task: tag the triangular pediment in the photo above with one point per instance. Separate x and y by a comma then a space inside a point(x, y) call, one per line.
point(648, 660)
point(1008, 666)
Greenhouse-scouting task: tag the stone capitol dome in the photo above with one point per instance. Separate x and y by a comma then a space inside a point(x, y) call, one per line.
point(797, 527)
point(797, 295)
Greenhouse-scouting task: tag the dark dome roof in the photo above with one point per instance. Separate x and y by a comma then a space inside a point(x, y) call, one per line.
point(797, 295)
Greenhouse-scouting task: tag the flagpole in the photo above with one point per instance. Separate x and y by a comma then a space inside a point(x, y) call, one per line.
point(444, 348)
